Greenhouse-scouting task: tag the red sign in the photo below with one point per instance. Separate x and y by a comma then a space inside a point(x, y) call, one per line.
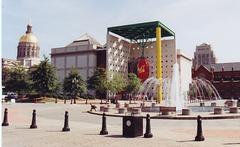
point(143, 68)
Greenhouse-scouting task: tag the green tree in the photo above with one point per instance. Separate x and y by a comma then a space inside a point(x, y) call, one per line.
point(57, 91)
point(18, 81)
point(116, 84)
point(98, 82)
point(74, 85)
point(5, 75)
point(133, 85)
point(44, 77)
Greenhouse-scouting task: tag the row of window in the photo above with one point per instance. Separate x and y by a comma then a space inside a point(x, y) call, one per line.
point(28, 54)
point(122, 50)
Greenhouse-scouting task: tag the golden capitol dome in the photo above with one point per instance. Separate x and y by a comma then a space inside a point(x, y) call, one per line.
point(29, 37)
point(28, 48)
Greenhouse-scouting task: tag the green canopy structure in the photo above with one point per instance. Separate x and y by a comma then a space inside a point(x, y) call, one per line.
point(141, 30)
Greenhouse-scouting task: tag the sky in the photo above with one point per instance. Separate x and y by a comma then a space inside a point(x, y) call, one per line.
point(56, 23)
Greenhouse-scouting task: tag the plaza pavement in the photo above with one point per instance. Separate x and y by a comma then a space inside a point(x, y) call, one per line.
point(85, 129)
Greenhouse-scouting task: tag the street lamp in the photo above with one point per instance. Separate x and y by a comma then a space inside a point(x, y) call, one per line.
point(74, 86)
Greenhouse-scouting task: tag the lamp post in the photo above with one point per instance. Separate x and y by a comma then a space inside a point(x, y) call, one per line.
point(74, 88)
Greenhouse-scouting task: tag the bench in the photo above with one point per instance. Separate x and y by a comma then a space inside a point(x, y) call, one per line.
point(166, 110)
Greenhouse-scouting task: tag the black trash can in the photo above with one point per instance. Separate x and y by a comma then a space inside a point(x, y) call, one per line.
point(132, 126)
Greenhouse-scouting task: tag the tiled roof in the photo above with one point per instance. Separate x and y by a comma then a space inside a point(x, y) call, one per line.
point(226, 66)
point(85, 37)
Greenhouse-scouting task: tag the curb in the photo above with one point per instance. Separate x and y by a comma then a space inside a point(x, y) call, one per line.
point(174, 117)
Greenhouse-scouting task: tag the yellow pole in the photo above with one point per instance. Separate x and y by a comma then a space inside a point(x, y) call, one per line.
point(159, 63)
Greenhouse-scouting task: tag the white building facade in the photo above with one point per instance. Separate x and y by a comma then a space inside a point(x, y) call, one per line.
point(80, 54)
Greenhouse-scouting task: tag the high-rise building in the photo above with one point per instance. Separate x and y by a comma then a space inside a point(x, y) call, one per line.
point(203, 55)
point(28, 49)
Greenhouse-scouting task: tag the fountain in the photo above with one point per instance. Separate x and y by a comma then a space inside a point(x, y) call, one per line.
point(200, 89)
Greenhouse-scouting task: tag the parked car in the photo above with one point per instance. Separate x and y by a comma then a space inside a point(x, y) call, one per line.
point(11, 95)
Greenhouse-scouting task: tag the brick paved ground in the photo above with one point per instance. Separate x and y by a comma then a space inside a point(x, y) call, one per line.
point(86, 127)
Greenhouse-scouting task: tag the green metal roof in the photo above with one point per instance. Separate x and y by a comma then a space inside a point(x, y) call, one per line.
point(141, 30)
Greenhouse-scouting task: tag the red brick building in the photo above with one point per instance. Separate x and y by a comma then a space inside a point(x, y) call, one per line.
point(224, 76)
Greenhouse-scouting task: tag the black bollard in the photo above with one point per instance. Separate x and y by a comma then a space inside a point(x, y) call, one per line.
point(5, 118)
point(104, 127)
point(33, 125)
point(199, 136)
point(66, 127)
point(148, 133)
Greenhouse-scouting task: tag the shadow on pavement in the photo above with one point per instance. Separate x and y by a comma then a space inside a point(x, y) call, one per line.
point(115, 136)
point(53, 131)
point(231, 143)
point(186, 141)
point(91, 134)
point(24, 128)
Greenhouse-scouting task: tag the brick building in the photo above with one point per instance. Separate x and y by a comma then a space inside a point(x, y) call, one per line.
point(224, 76)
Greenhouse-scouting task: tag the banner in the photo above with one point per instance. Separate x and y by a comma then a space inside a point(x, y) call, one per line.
point(143, 68)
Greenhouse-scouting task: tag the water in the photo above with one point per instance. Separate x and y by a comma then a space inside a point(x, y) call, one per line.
point(200, 89)
point(171, 89)
point(203, 89)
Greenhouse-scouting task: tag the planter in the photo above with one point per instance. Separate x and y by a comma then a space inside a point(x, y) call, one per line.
point(105, 109)
point(233, 110)
point(142, 104)
point(185, 112)
point(129, 109)
point(217, 110)
point(136, 111)
point(153, 104)
point(118, 105)
point(213, 104)
point(202, 104)
point(165, 112)
point(101, 108)
point(121, 110)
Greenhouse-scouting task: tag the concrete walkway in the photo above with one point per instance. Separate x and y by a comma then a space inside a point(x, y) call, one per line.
point(86, 127)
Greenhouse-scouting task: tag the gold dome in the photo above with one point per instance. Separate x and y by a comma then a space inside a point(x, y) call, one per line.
point(29, 37)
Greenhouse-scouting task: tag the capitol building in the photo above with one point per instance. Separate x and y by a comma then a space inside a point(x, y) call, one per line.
point(27, 53)
point(28, 49)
